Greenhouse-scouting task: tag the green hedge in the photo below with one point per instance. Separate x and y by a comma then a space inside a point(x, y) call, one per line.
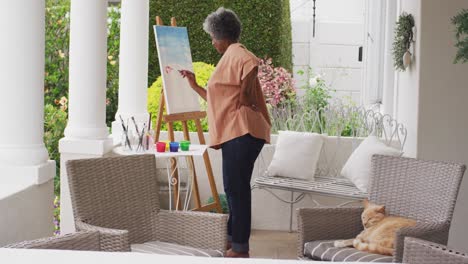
point(266, 28)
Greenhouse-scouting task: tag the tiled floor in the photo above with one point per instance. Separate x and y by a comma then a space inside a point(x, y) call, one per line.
point(273, 244)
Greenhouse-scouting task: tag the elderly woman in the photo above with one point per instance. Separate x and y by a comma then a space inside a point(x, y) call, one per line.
point(238, 120)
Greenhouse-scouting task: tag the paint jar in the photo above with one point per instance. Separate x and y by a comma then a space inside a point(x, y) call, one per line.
point(185, 145)
point(167, 144)
point(174, 146)
point(161, 147)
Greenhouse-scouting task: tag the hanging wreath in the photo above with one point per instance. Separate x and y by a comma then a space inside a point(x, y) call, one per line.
point(460, 22)
point(402, 42)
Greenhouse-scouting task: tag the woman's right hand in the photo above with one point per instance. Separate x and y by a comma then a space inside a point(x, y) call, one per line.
point(192, 80)
point(193, 83)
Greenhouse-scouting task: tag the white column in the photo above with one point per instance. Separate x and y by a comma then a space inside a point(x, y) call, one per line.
point(26, 174)
point(22, 27)
point(86, 135)
point(88, 58)
point(133, 72)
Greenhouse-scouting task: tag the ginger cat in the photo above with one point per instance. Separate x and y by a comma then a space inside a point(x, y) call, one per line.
point(379, 231)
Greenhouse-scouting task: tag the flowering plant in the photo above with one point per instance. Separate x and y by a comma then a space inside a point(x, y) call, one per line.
point(277, 83)
point(317, 93)
point(62, 102)
point(57, 216)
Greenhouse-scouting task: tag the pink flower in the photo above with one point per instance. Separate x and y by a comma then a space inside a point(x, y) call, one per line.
point(277, 83)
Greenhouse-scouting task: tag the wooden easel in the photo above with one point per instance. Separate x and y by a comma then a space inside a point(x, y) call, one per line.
point(184, 117)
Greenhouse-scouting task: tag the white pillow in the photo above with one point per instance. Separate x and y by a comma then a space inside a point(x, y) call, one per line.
point(296, 155)
point(358, 167)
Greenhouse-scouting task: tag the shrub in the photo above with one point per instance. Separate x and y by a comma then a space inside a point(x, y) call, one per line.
point(55, 121)
point(203, 72)
point(305, 113)
point(317, 111)
point(460, 21)
point(57, 54)
point(317, 93)
point(56, 49)
point(265, 33)
point(57, 215)
point(113, 46)
point(277, 83)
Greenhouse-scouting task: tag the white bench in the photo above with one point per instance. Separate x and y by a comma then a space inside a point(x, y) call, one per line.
point(335, 152)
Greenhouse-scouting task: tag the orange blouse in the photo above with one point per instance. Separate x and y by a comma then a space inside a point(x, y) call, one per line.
point(236, 105)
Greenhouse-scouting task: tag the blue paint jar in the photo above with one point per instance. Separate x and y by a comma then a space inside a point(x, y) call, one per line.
point(174, 146)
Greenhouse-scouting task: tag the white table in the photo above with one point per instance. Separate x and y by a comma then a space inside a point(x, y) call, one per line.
point(194, 150)
point(46, 256)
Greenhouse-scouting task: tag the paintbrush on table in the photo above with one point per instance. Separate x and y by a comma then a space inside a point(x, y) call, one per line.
point(140, 136)
point(149, 129)
point(125, 132)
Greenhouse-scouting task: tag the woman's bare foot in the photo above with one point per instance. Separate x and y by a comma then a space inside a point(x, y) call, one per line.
point(229, 245)
point(232, 254)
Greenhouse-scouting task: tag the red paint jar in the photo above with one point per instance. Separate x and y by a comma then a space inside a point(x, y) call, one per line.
point(161, 147)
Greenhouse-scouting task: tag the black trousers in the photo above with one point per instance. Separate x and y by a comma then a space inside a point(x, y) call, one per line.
point(239, 155)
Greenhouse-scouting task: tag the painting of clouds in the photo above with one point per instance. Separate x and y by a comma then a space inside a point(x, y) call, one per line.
point(174, 55)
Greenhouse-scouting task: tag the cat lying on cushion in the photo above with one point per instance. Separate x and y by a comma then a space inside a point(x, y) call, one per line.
point(379, 231)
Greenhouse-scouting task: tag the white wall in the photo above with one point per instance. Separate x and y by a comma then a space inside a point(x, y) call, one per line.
point(443, 101)
point(432, 97)
point(407, 84)
point(26, 211)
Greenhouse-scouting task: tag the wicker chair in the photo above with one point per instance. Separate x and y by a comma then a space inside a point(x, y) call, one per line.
point(118, 197)
point(88, 241)
point(421, 190)
point(419, 251)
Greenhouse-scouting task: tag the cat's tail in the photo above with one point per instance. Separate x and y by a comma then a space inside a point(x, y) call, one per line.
point(343, 243)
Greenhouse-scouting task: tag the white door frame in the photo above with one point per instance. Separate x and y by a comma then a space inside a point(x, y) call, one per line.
point(378, 71)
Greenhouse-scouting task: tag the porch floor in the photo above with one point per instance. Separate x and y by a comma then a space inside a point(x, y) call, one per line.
point(273, 244)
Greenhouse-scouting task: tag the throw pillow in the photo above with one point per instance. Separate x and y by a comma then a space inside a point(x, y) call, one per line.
point(358, 166)
point(296, 155)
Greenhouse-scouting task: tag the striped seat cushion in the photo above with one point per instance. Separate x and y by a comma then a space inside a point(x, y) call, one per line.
point(164, 248)
point(325, 251)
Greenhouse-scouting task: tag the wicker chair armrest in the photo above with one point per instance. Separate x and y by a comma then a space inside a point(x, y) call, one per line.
point(194, 229)
point(435, 232)
point(418, 251)
point(325, 223)
point(110, 239)
point(88, 241)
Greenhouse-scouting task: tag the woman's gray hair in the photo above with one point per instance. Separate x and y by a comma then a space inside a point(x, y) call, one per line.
point(223, 24)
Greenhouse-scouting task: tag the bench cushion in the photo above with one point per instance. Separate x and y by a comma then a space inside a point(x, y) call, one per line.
point(164, 248)
point(325, 251)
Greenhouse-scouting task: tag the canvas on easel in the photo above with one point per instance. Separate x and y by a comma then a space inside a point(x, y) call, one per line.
point(174, 55)
point(181, 103)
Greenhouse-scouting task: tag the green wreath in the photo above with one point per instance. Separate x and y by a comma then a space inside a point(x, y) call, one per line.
point(460, 22)
point(403, 39)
